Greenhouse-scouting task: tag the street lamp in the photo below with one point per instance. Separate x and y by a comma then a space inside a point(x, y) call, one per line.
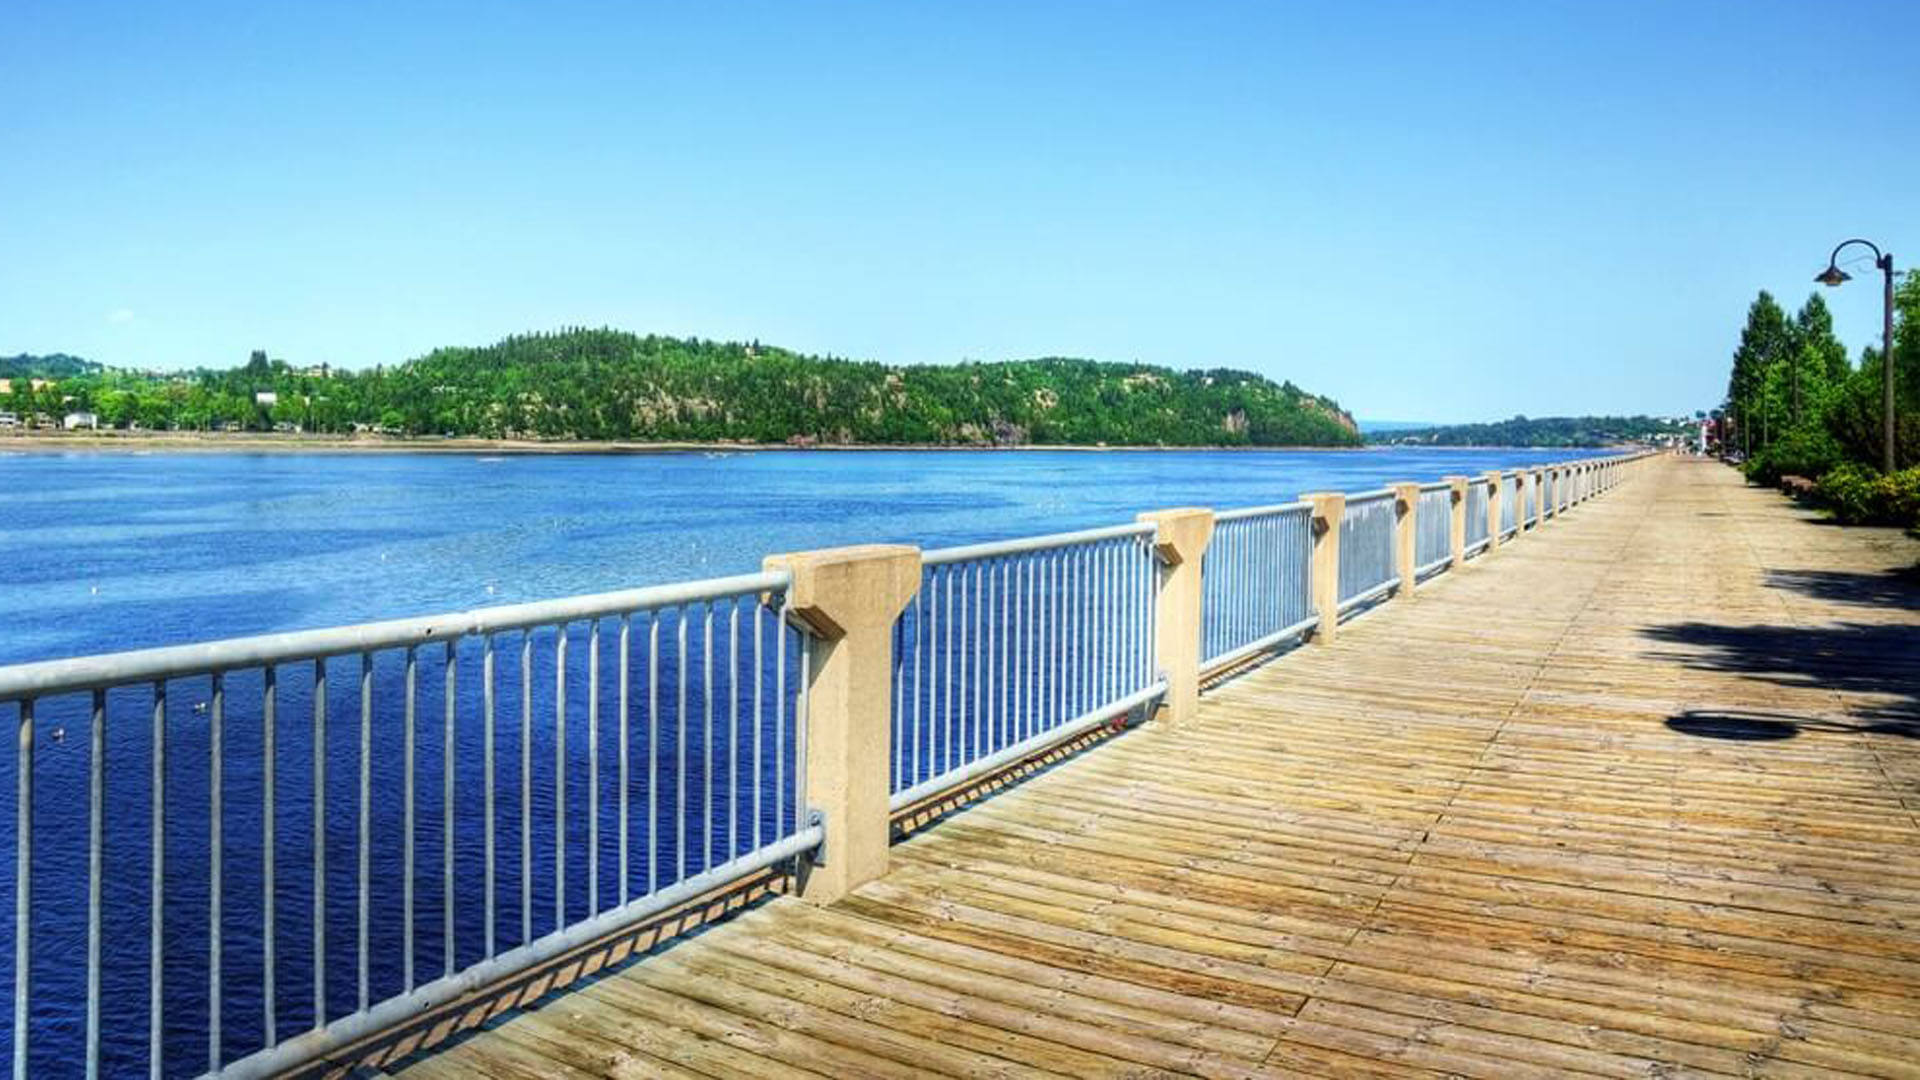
point(1833, 275)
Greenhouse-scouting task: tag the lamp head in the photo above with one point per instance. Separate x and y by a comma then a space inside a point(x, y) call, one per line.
point(1833, 275)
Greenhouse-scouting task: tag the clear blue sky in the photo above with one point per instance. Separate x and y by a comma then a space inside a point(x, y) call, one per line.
point(1429, 211)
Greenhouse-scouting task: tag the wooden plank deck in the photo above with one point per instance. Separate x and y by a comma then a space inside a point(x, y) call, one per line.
point(1634, 797)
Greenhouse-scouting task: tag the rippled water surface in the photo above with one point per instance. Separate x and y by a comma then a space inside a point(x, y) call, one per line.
point(107, 551)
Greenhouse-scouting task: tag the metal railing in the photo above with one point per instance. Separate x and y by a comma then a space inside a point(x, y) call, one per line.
point(1530, 507)
point(1477, 516)
point(1255, 581)
point(1433, 527)
point(1011, 646)
point(1509, 504)
point(304, 882)
point(1366, 548)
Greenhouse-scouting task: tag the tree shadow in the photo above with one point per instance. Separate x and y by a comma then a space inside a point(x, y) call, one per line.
point(1774, 727)
point(1882, 661)
point(1898, 589)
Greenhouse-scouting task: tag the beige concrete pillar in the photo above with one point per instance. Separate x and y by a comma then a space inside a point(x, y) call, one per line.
point(1494, 495)
point(1329, 507)
point(849, 598)
point(1406, 506)
point(1181, 537)
point(1457, 526)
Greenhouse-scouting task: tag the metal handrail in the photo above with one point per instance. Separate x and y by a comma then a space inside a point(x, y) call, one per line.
point(48, 677)
point(995, 549)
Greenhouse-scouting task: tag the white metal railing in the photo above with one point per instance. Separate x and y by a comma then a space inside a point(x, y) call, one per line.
point(1366, 548)
point(1009, 647)
point(1433, 527)
point(1477, 495)
point(274, 833)
point(1256, 578)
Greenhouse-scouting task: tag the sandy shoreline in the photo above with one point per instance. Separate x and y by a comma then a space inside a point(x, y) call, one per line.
point(208, 443)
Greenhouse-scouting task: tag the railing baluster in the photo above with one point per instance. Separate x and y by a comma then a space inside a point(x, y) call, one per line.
point(96, 841)
point(800, 731)
point(407, 796)
point(560, 777)
point(526, 785)
point(680, 742)
point(910, 737)
point(733, 728)
point(487, 752)
point(706, 773)
point(319, 843)
point(216, 790)
point(451, 695)
point(23, 891)
point(653, 757)
point(366, 824)
point(626, 722)
point(593, 768)
point(156, 894)
point(269, 720)
point(780, 720)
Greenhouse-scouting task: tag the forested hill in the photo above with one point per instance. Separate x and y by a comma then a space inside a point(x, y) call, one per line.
point(1543, 431)
point(606, 384)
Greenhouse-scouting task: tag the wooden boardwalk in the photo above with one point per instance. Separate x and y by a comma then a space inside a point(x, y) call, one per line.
point(1639, 796)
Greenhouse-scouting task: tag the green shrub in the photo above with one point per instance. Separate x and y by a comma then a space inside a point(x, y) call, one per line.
point(1858, 495)
point(1807, 451)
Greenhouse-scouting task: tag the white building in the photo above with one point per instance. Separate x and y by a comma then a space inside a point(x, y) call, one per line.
point(77, 420)
point(266, 397)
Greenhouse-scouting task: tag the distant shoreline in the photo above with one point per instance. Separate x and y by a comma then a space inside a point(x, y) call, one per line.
point(257, 443)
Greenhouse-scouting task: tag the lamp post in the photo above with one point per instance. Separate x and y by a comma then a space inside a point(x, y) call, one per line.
point(1833, 275)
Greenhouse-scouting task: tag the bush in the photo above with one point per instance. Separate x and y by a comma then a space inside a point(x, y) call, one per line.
point(1858, 495)
point(1807, 451)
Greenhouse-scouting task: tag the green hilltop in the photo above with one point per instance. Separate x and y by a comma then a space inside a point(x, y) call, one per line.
point(611, 385)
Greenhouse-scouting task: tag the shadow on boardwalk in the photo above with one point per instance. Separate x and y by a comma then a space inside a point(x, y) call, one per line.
point(1895, 589)
point(1881, 661)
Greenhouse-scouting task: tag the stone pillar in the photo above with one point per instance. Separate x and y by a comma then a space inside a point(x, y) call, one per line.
point(1181, 537)
point(1406, 522)
point(849, 598)
point(1495, 494)
point(1457, 527)
point(1329, 507)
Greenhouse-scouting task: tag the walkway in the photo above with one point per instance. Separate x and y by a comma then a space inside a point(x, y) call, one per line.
point(1637, 797)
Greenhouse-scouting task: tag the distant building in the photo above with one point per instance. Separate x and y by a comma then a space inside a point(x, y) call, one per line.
point(77, 420)
point(37, 385)
point(9, 420)
point(266, 397)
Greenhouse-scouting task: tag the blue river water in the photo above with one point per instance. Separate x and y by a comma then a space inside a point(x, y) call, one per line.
point(117, 551)
point(110, 551)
